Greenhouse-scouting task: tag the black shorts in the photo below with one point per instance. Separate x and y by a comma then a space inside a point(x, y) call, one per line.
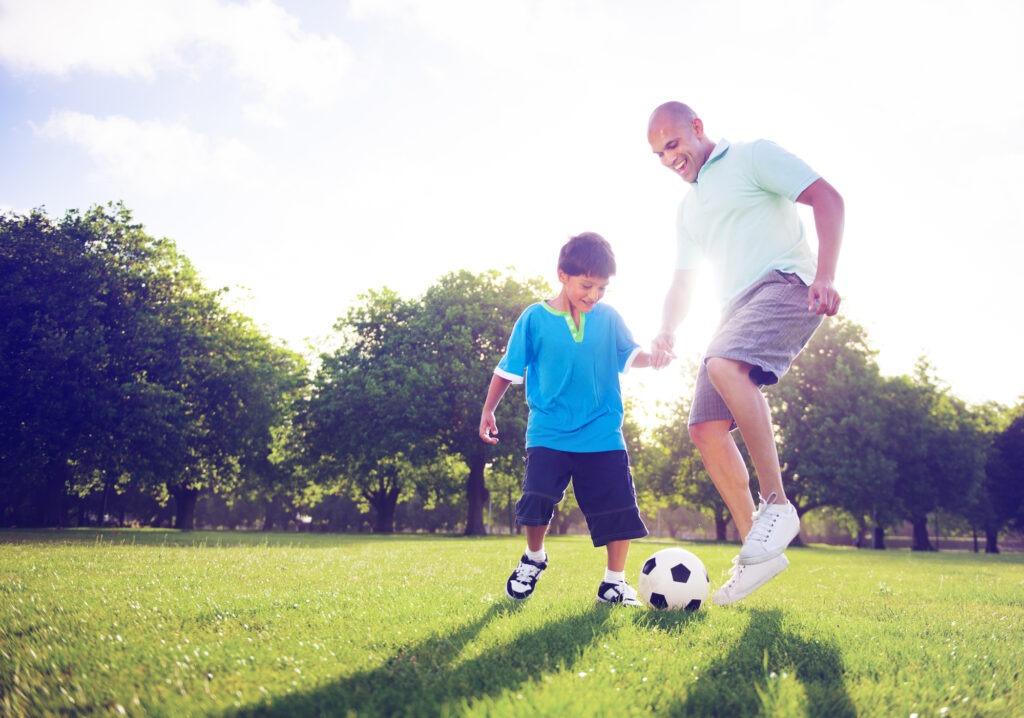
point(602, 482)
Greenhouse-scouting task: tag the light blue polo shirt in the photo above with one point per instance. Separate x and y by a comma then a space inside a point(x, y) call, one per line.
point(572, 376)
point(741, 216)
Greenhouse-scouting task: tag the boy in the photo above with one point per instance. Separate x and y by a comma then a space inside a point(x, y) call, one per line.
point(570, 351)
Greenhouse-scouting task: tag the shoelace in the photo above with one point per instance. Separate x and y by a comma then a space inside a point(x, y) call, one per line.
point(525, 571)
point(762, 527)
point(625, 590)
point(734, 572)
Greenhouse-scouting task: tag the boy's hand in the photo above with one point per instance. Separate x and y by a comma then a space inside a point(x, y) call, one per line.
point(488, 428)
point(661, 350)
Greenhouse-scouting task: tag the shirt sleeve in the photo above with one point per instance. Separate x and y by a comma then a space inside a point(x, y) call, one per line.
point(513, 365)
point(779, 171)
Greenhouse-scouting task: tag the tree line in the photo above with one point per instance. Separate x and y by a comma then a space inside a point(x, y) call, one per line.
point(133, 394)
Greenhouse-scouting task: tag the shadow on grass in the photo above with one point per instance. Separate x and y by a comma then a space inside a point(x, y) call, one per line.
point(748, 680)
point(428, 679)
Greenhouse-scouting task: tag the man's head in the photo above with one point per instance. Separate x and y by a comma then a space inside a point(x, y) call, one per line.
point(585, 266)
point(677, 136)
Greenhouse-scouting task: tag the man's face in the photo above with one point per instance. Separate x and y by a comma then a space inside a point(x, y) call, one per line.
point(583, 290)
point(679, 144)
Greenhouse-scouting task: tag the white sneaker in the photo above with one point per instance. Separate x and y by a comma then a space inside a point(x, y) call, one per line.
point(524, 579)
point(745, 579)
point(775, 525)
point(621, 593)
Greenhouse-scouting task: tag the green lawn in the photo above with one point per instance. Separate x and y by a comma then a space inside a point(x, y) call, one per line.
point(170, 624)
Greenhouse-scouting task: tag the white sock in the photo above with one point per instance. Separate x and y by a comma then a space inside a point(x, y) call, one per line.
point(541, 555)
point(614, 576)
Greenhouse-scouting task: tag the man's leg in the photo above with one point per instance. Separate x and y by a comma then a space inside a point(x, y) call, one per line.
point(749, 408)
point(727, 470)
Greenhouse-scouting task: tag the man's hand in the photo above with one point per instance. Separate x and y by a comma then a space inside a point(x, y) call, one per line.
point(662, 352)
point(822, 298)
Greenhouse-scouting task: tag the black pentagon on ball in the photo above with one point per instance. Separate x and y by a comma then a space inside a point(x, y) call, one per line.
point(659, 601)
point(680, 573)
point(693, 605)
point(648, 566)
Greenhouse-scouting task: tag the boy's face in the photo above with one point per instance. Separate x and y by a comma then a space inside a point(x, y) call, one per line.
point(583, 290)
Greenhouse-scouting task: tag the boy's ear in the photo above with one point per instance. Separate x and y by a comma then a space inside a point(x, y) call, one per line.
point(562, 276)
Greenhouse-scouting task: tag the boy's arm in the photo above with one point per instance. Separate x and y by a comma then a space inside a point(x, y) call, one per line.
point(488, 427)
point(642, 360)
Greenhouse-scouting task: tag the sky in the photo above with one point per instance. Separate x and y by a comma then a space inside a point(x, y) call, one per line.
point(305, 152)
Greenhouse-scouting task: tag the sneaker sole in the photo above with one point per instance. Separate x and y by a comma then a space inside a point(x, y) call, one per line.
point(764, 579)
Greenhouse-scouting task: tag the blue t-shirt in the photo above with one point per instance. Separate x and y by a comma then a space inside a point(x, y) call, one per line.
point(572, 376)
point(740, 215)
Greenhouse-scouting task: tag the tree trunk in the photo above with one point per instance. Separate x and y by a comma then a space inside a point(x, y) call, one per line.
point(185, 508)
point(385, 505)
point(921, 541)
point(991, 541)
point(268, 515)
point(878, 538)
point(476, 495)
point(52, 509)
point(721, 527)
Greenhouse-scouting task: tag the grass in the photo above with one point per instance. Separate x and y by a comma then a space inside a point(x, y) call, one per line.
point(222, 624)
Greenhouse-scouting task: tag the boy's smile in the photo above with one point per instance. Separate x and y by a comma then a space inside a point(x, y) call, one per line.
point(581, 291)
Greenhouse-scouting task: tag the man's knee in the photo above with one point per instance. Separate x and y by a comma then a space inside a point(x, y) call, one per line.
point(709, 434)
point(722, 371)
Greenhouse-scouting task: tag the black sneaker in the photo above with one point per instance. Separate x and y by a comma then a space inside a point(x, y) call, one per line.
point(524, 579)
point(620, 592)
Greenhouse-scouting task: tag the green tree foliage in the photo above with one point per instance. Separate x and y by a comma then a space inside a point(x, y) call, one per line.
point(366, 416)
point(933, 439)
point(672, 472)
point(1004, 481)
point(831, 422)
point(462, 330)
point(119, 368)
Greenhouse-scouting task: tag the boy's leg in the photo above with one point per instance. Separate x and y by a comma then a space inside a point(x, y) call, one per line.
point(521, 584)
point(617, 553)
point(614, 588)
point(535, 537)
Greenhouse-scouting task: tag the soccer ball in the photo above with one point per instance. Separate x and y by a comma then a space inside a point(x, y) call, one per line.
point(674, 578)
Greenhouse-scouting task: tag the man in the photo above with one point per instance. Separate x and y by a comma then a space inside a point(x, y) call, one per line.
point(740, 215)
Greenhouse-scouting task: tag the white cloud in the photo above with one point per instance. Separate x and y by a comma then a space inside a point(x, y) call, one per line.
point(265, 46)
point(154, 157)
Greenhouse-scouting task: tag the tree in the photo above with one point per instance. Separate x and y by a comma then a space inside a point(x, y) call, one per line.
point(368, 414)
point(462, 332)
point(1004, 482)
point(830, 417)
point(673, 471)
point(121, 367)
point(934, 443)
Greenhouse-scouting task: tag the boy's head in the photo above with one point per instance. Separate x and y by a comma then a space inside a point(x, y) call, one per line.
point(587, 254)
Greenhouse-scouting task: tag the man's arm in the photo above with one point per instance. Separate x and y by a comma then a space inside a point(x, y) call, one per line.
point(677, 306)
point(829, 217)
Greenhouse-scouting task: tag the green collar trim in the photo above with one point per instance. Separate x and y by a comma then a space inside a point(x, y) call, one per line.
point(577, 334)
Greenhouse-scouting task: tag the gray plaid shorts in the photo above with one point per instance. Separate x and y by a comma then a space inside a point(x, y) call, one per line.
point(767, 326)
